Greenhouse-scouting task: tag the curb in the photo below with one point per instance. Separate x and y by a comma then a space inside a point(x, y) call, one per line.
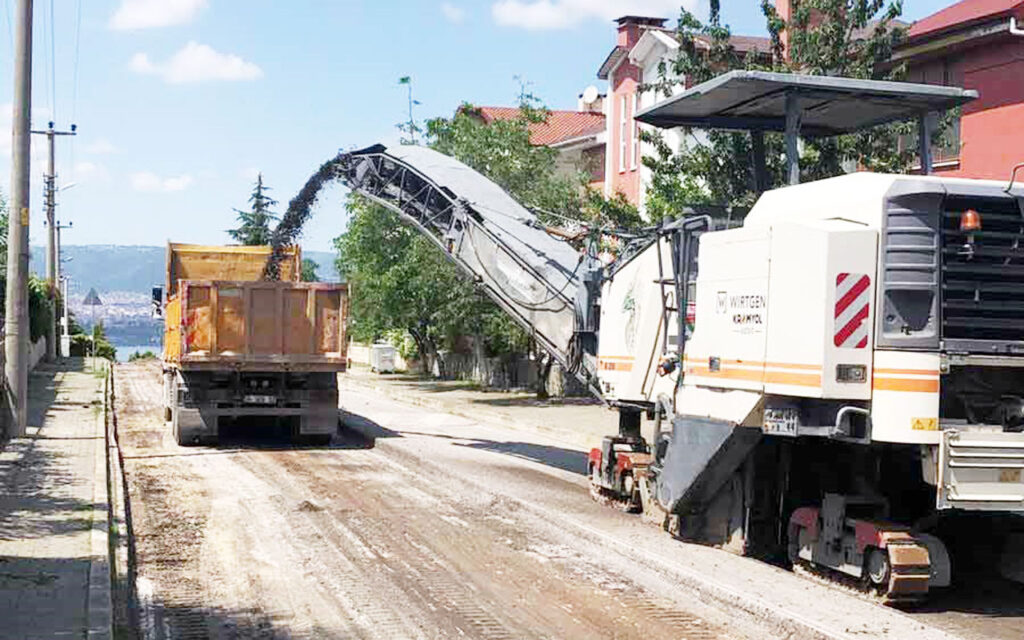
point(121, 570)
point(99, 603)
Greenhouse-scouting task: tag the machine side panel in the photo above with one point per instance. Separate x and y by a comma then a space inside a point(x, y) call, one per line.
point(797, 296)
point(905, 397)
point(632, 323)
point(727, 349)
point(820, 310)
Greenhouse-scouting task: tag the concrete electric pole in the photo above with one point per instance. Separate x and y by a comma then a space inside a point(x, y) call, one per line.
point(16, 312)
point(57, 276)
point(52, 284)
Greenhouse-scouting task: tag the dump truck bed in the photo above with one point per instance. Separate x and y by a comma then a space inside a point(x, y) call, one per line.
point(203, 262)
point(265, 326)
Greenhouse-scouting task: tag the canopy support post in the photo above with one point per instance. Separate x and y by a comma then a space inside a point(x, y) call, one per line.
point(793, 116)
point(925, 127)
point(760, 164)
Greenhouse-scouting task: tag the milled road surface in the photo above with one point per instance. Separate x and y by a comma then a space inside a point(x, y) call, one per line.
point(439, 526)
point(348, 542)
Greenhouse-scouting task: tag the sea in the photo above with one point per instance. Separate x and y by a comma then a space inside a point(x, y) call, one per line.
point(125, 351)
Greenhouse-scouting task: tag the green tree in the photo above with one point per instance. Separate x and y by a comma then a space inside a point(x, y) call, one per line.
point(309, 268)
point(94, 343)
point(254, 228)
point(852, 38)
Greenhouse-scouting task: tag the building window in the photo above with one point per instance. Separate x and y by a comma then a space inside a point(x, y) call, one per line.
point(636, 133)
point(623, 142)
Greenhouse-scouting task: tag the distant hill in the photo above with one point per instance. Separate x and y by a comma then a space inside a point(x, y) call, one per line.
point(108, 267)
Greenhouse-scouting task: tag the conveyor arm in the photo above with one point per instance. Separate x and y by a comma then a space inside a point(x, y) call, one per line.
point(541, 281)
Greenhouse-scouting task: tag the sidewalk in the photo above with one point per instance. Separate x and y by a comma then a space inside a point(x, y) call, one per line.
point(577, 423)
point(54, 572)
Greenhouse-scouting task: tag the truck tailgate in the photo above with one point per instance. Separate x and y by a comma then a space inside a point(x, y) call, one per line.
point(259, 325)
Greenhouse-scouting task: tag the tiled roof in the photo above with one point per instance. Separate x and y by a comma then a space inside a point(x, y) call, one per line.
point(559, 127)
point(744, 44)
point(964, 13)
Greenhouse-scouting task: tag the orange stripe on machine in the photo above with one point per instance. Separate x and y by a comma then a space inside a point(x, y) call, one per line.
point(788, 373)
point(615, 363)
point(912, 380)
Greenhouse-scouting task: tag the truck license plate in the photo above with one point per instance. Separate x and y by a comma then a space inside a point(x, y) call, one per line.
point(781, 421)
point(259, 400)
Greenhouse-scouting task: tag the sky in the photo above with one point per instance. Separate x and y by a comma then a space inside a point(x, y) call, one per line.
point(179, 103)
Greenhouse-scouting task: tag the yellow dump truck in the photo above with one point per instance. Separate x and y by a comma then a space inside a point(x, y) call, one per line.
point(240, 351)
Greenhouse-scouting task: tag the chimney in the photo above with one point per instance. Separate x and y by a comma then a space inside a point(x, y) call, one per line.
point(632, 27)
point(785, 10)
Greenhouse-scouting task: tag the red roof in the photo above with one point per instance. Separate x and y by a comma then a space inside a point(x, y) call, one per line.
point(964, 13)
point(560, 126)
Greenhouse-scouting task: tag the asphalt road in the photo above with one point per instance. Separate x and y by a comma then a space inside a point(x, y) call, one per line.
point(415, 523)
point(269, 541)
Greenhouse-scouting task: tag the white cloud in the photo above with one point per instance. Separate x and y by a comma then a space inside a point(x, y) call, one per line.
point(100, 146)
point(89, 172)
point(197, 63)
point(146, 14)
point(149, 182)
point(563, 14)
point(452, 13)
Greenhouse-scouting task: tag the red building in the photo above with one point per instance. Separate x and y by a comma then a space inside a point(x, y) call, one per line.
point(622, 161)
point(977, 44)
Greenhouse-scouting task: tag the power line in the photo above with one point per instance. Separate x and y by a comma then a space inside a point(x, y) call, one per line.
point(74, 84)
point(53, 62)
point(47, 87)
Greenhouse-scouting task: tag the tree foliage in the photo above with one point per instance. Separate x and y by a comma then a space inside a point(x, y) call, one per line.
point(309, 268)
point(853, 38)
point(254, 224)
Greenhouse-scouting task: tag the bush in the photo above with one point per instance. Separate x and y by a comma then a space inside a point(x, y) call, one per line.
point(81, 344)
point(142, 355)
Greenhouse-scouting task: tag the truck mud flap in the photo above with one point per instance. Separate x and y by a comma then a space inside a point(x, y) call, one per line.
point(696, 459)
point(190, 427)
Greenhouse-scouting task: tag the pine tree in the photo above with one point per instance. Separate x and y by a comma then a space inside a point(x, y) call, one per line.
point(255, 223)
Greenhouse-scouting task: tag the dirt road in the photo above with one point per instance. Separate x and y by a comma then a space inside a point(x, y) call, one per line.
point(273, 542)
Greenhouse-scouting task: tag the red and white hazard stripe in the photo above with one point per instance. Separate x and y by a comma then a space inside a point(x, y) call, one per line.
point(852, 306)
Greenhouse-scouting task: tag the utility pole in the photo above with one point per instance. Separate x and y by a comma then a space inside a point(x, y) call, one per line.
point(65, 323)
point(16, 312)
point(52, 283)
point(64, 339)
point(57, 275)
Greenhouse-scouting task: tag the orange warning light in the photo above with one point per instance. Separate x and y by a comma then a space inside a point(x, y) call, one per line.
point(970, 220)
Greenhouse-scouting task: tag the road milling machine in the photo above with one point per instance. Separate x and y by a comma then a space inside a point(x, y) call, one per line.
point(830, 383)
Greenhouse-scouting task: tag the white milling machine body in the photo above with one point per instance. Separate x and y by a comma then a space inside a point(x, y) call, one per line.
point(853, 364)
point(828, 382)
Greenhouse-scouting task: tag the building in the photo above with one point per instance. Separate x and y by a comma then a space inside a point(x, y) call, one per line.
point(622, 161)
point(977, 44)
point(643, 45)
point(578, 136)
